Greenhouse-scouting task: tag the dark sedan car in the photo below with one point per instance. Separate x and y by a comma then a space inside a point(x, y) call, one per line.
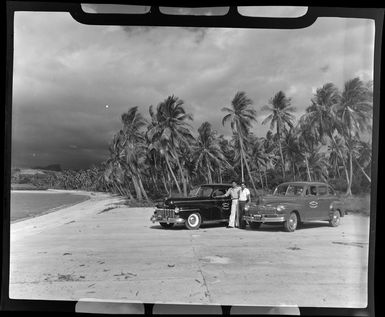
point(203, 207)
point(297, 202)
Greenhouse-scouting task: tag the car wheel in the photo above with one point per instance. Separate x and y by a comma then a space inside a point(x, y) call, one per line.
point(166, 225)
point(193, 221)
point(255, 225)
point(336, 218)
point(291, 223)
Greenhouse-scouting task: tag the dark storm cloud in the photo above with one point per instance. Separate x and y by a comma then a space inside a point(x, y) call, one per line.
point(65, 74)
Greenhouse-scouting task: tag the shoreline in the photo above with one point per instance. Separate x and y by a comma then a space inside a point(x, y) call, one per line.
point(96, 202)
point(45, 212)
point(51, 191)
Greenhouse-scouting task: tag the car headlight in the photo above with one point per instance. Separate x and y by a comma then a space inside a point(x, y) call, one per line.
point(280, 208)
point(247, 207)
point(176, 210)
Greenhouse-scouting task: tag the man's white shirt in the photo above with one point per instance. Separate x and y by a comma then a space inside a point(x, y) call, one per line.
point(243, 194)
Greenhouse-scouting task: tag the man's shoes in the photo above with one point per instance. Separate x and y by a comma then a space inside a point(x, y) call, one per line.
point(229, 227)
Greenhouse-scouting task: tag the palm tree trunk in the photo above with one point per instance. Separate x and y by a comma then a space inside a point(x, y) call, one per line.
point(165, 184)
point(182, 175)
point(120, 190)
point(265, 172)
point(342, 159)
point(349, 189)
point(220, 175)
point(129, 193)
point(338, 171)
point(247, 167)
point(283, 162)
point(154, 182)
point(260, 174)
point(363, 171)
point(137, 188)
point(209, 172)
point(243, 178)
point(142, 188)
point(172, 173)
point(307, 168)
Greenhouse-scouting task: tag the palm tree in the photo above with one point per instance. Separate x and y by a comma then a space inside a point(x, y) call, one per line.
point(207, 152)
point(169, 129)
point(134, 147)
point(280, 117)
point(318, 165)
point(229, 154)
point(320, 115)
point(258, 155)
point(114, 173)
point(307, 140)
point(241, 116)
point(322, 120)
point(291, 149)
point(355, 112)
point(362, 156)
point(337, 155)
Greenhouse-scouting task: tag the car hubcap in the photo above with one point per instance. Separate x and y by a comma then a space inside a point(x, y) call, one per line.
point(293, 221)
point(193, 220)
point(336, 218)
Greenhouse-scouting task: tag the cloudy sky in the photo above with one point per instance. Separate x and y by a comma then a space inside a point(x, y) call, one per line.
point(65, 73)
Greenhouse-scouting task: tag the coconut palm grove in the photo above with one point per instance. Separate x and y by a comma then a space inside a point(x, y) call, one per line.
point(158, 154)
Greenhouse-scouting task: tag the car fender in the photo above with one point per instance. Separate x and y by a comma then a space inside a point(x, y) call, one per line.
point(337, 205)
point(290, 207)
point(185, 212)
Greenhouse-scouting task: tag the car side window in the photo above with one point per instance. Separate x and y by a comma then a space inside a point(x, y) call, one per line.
point(294, 190)
point(281, 190)
point(218, 192)
point(312, 191)
point(322, 190)
point(204, 192)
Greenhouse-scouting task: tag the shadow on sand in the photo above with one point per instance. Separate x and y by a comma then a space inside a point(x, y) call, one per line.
point(183, 227)
point(264, 227)
point(302, 226)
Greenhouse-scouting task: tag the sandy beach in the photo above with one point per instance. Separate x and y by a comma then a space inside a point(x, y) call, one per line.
point(56, 218)
point(101, 249)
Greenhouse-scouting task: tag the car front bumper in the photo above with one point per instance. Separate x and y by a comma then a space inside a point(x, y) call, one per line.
point(264, 218)
point(159, 218)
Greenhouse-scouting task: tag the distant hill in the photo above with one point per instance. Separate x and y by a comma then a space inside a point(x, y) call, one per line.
point(30, 178)
point(52, 167)
point(26, 187)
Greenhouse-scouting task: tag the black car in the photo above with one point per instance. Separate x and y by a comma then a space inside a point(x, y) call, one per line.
point(203, 207)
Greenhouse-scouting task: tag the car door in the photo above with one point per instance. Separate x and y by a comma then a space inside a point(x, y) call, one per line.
point(324, 201)
point(206, 203)
point(222, 205)
point(311, 203)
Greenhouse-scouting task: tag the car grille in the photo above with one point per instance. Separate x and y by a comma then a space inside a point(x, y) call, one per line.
point(166, 213)
point(267, 210)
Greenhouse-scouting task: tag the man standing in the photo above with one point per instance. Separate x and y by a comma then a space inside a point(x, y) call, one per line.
point(234, 193)
point(244, 198)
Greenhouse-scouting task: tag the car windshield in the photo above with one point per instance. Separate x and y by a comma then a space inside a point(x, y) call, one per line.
point(204, 191)
point(288, 190)
point(294, 190)
point(280, 190)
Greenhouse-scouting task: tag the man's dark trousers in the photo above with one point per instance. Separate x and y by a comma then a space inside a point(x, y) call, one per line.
point(241, 213)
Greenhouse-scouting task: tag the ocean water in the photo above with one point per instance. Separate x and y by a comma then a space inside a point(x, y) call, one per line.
point(26, 205)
